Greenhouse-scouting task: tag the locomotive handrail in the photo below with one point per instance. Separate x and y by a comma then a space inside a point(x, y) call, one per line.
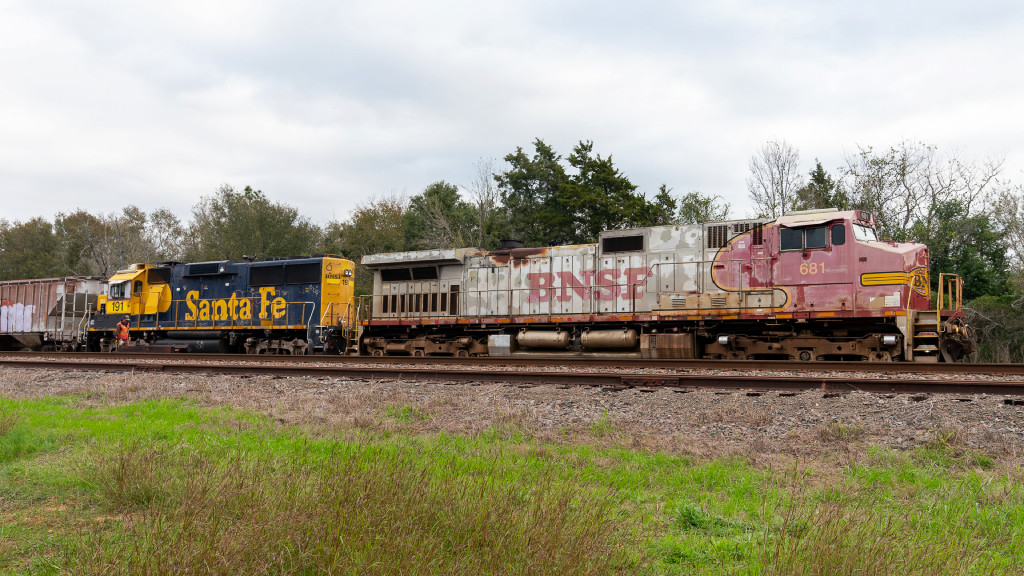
point(951, 287)
point(178, 321)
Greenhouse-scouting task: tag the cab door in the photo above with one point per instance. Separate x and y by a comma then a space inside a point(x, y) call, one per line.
point(814, 267)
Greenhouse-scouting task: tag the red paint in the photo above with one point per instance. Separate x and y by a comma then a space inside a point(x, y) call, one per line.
point(611, 283)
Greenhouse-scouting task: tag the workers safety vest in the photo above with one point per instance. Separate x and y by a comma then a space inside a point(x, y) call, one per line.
point(121, 331)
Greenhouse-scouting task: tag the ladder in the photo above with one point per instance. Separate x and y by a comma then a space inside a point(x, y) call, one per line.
point(927, 324)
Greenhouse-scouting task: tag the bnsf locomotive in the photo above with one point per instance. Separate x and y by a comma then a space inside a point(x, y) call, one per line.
point(809, 285)
point(278, 306)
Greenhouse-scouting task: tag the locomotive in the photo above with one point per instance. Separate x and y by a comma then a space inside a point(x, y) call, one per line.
point(276, 306)
point(810, 285)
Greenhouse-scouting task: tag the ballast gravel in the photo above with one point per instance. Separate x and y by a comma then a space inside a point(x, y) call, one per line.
point(699, 423)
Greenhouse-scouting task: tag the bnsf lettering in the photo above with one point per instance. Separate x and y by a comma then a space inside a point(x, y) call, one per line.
point(611, 283)
point(234, 308)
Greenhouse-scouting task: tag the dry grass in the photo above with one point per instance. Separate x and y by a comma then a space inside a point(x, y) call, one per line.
point(368, 511)
point(861, 537)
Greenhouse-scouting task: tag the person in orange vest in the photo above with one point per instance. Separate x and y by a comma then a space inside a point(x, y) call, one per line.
point(121, 332)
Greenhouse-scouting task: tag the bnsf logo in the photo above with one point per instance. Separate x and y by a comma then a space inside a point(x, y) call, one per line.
point(611, 283)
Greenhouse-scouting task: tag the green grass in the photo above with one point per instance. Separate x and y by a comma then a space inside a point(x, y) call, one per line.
point(169, 487)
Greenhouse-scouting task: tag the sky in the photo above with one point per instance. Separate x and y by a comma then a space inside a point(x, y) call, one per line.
point(326, 105)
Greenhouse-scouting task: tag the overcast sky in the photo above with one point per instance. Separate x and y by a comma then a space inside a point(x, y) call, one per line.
point(327, 104)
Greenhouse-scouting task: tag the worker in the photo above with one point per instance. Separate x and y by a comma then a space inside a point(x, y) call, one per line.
point(121, 332)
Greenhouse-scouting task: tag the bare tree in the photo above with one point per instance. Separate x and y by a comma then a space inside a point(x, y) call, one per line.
point(905, 185)
point(1007, 211)
point(774, 178)
point(484, 195)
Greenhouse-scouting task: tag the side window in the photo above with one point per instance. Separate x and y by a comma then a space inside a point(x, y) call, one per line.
point(119, 291)
point(816, 237)
point(792, 238)
point(137, 288)
point(839, 235)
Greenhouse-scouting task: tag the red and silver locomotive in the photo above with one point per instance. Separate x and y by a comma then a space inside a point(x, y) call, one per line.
point(812, 285)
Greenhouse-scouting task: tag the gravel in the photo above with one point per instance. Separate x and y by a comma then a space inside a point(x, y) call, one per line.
point(700, 423)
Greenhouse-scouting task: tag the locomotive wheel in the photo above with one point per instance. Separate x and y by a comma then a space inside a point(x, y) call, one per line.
point(805, 356)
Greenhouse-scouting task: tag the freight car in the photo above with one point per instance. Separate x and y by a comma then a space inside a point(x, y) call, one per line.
point(809, 285)
point(47, 314)
point(277, 306)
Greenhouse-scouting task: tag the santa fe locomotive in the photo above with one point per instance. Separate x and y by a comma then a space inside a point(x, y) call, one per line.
point(812, 285)
point(277, 306)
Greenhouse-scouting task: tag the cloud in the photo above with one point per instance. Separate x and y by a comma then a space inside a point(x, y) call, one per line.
point(323, 105)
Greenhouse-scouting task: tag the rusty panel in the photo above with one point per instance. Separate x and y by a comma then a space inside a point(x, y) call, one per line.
point(47, 309)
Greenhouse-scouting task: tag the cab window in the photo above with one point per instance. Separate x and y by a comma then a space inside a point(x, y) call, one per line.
point(138, 287)
point(792, 239)
point(804, 238)
point(863, 233)
point(119, 291)
point(815, 237)
point(839, 234)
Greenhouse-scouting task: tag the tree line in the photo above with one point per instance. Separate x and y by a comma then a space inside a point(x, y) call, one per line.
point(967, 212)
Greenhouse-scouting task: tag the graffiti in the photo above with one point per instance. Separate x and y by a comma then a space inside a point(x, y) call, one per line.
point(611, 284)
point(16, 317)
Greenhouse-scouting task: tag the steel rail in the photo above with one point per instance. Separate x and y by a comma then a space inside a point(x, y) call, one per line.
point(750, 381)
point(575, 361)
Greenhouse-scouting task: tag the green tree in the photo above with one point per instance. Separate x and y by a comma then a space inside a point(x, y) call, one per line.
point(697, 208)
point(600, 197)
point(548, 205)
point(246, 224)
point(440, 218)
point(529, 190)
point(373, 227)
point(970, 246)
point(665, 206)
point(821, 191)
point(29, 250)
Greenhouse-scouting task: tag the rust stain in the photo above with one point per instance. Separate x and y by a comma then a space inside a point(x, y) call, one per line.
point(517, 256)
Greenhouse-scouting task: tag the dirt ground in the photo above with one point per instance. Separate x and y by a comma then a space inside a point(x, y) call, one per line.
point(701, 423)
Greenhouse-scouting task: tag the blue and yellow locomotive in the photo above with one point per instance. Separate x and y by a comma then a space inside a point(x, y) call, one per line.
point(276, 306)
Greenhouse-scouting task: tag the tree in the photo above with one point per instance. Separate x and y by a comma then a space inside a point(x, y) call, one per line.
point(374, 227)
point(492, 223)
point(600, 197)
point(1007, 211)
point(529, 191)
point(665, 206)
point(99, 245)
point(696, 208)
point(904, 186)
point(970, 246)
point(236, 225)
point(439, 218)
point(820, 191)
point(28, 250)
point(547, 205)
point(774, 179)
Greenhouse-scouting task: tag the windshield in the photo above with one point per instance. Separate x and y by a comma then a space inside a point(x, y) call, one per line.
point(119, 290)
point(863, 233)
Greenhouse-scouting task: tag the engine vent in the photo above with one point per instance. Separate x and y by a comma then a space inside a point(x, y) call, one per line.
point(718, 235)
point(679, 302)
point(755, 228)
point(718, 301)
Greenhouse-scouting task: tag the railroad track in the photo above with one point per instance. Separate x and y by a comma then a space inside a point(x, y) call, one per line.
point(683, 375)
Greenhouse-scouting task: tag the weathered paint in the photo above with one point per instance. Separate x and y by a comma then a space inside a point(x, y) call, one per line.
point(716, 271)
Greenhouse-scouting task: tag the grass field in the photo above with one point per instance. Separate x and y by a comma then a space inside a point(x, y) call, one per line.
point(169, 487)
